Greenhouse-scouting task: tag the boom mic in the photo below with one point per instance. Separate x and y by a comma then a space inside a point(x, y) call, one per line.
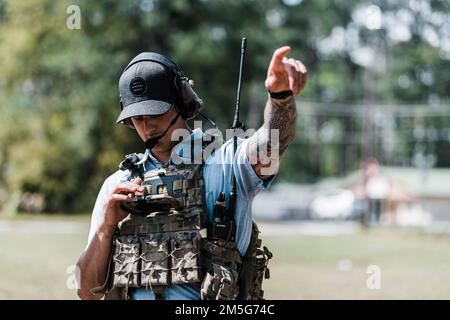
point(151, 143)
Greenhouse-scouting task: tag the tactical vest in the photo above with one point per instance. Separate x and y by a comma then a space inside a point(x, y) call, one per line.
point(165, 241)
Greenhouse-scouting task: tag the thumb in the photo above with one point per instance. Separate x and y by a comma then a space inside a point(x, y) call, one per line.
point(269, 81)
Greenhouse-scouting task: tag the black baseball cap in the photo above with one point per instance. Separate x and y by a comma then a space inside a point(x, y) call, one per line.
point(146, 88)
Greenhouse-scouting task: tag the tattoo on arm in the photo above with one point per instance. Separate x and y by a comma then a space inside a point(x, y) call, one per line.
point(268, 145)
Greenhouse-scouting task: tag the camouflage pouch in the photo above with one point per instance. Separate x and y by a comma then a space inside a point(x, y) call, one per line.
point(185, 257)
point(254, 271)
point(254, 268)
point(220, 283)
point(126, 261)
point(155, 258)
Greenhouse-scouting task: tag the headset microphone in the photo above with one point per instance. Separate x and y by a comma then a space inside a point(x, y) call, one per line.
point(150, 143)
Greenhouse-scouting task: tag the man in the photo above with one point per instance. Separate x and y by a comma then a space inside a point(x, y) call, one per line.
point(153, 98)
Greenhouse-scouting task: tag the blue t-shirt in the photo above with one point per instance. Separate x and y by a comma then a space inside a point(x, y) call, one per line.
point(217, 177)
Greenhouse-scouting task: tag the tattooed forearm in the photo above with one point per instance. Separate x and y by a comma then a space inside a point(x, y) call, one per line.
point(270, 142)
point(281, 115)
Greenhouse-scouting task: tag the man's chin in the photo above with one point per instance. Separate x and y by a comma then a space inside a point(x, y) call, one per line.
point(153, 136)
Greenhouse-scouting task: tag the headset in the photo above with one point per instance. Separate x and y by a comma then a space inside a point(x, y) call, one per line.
point(188, 103)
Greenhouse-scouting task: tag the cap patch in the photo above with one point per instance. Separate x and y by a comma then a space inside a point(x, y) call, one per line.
point(138, 86)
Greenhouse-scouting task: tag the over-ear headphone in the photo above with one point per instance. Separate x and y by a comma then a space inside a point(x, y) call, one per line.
point(188, 103)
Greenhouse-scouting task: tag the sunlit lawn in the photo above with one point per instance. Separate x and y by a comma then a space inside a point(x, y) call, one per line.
point(413, 265)
point(35, 266)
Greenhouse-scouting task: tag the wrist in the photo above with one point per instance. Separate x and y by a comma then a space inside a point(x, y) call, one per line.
point(280, 95)
point(105, 230)
point(280, 101)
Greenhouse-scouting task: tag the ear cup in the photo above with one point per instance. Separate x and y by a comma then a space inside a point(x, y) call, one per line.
point(192, 104)
point(189, 103)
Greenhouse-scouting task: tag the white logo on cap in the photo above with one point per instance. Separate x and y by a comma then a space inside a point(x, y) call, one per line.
point(138, 86)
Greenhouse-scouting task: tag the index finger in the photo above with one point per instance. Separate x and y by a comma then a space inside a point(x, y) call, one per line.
point(278, 55)
point(127, 187)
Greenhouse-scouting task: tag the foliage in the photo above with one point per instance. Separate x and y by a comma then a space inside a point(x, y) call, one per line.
point(59, 97)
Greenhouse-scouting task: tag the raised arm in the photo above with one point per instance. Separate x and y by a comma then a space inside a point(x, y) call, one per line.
point(268, 145)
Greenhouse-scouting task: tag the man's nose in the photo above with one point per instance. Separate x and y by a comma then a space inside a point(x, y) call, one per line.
point(149, 123)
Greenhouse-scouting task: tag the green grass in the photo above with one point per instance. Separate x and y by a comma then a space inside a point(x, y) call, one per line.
point(34, 266)
point(413, 265)
point(76, 217)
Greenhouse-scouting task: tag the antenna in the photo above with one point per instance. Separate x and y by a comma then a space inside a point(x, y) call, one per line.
point(236, 125)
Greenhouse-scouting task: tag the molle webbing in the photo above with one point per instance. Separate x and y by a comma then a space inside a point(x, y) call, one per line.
point(161, 246)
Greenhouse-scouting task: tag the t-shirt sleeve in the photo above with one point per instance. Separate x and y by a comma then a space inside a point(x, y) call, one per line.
point(249, 184)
